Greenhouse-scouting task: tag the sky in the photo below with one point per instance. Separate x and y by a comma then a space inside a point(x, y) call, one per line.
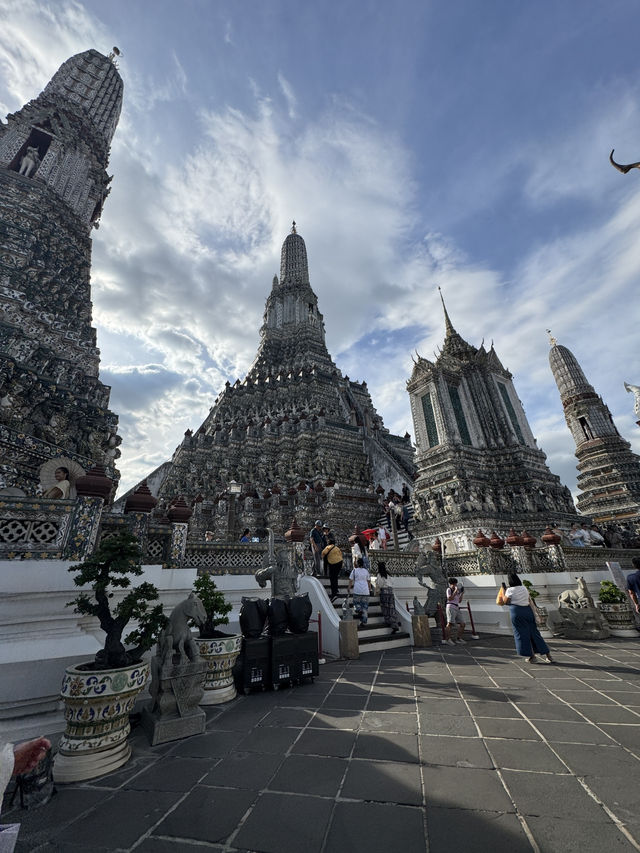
point(417, 144)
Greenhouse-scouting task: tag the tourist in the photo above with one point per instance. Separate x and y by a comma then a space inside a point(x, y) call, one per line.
point(318, 544)
point(328, 538)
point(360, 584)
point(405, 494)
point(404, 517)
point(525, 631)
point(245, 536)
point(454, 617)
point(383, 537)
point(333, 558)
point(558, 531)
point(633, 583)
point(62, 486)
point(15, 760)
point(596, 538)
point(578, 537)
point(387, 599)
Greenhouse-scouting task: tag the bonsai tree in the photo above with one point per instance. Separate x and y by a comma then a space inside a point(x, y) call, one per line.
point(610, 593)
point(214, 604)
point(110, 567)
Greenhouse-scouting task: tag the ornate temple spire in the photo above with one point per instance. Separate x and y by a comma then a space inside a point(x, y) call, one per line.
point(454, 344)
point(609, 472)
point(294, 267)
point(568, 374)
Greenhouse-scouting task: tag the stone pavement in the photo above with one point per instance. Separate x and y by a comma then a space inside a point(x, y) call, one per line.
point(468, 748)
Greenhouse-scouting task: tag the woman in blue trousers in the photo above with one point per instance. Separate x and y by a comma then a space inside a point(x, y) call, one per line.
point(525, 631)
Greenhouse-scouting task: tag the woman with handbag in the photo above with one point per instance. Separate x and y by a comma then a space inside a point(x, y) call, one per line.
point(387, 598)
point(525, 631)
point(333, 555)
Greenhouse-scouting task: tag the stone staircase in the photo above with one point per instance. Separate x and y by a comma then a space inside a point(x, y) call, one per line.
point(376, 635)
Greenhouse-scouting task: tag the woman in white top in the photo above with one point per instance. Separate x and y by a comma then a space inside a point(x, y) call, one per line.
point(387, 598)
point(62, 486)
point(360, 583)
point(525, 631)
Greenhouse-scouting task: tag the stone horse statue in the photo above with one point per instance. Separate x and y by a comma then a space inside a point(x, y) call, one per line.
point(576, 599)
point(176, 638)
point(30, 162)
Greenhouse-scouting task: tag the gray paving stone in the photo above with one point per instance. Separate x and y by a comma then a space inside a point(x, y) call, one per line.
point(153, 844)
point(325, 742)
point(375, 827)
point(543, 711)
point(589, 760)
point(575, 836)
point(454, 751)
point(567, 732)
point(628, 736)
point(307, 774)
point(122, 818)
point(475, 831)
point(336, 718)
point(622, 798)
point(465, 788)
point(288, 717)
point(207, 814)
point(583, 697)
point(433, 706)
point(209, 745)
point(387, 747)
point(383, 781)
point(249, 770)
point(443, 724)
point(525, 756)
point(608, 714)
point(399, 704)
point(285, 823)
point(385, 721)
point(35, 824)
point(514, 729)
point(494, 709)
point(268, 739)
point(170, 774)
point(353, 703)
point(242, 718)
point(552, 796)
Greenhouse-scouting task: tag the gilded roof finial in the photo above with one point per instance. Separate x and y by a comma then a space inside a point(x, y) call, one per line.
point(293, 227)
point(552, 340)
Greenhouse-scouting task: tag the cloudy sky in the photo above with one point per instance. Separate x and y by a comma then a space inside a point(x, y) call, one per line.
point(417, 143)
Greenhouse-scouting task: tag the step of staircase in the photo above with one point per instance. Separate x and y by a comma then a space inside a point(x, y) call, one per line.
point(393, 641)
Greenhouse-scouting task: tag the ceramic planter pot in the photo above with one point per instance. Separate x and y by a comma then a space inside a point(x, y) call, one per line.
point(620, 619)
point(220, 655)
point(96, 707)
point(541, 621)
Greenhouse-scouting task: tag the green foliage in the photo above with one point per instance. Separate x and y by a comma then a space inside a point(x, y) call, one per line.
point(214, 604)
point(610, 593)
point(111, 566)
point(531, 590)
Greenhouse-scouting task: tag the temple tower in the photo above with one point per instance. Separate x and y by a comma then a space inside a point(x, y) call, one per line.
point(478, 463)
point(609, 472)
point(53, 183)
point(299, 437)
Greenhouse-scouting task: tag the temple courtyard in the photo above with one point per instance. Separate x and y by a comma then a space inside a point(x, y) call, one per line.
point(416, 750)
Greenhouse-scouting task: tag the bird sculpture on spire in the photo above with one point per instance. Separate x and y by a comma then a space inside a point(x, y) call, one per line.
point(293, 227)
point(552, 340)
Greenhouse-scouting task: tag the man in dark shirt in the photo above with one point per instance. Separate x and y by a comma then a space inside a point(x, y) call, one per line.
point(633, 583)
point(318, 543)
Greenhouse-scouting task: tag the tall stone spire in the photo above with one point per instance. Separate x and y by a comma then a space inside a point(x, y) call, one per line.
point(53, 184)
point(294, 268)
point(609, 472)
point(454, 344)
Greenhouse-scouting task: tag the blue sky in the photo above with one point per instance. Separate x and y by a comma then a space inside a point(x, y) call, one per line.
point(417, 144)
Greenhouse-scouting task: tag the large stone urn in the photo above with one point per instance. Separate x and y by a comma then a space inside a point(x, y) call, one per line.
point(97, 704)
point(620, 618)
point(220, 655)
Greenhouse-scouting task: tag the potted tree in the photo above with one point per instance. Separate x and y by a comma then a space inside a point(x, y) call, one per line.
point(99, 695)
point(541, 613)
point(219, 650)
point(614, 606)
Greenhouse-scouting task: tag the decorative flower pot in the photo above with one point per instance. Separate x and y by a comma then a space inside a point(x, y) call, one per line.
point(97, 704)
point(620, 619)
point(541, 621)
point(220, 655)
